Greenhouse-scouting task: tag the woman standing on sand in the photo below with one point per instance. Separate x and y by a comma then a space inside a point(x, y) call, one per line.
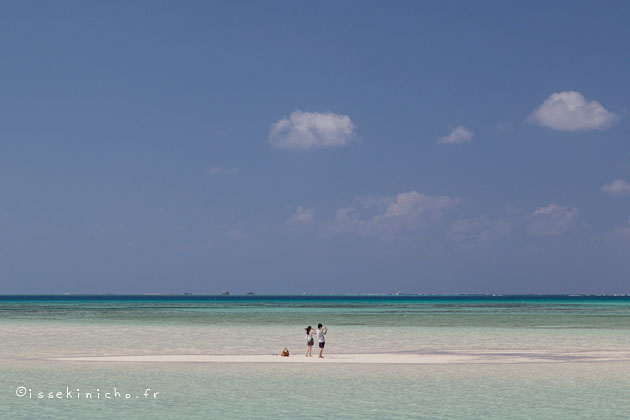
point(309, 341)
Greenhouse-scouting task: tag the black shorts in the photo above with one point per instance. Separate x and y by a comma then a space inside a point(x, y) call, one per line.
point(321, 345)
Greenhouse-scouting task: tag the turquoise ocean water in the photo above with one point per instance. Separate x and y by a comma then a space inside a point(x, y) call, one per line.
point(34, 328)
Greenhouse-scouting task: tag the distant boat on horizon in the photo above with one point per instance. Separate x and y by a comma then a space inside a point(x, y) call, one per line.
point(225, 292)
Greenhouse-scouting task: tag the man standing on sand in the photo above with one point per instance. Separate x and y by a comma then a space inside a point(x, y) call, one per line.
point(321, 338)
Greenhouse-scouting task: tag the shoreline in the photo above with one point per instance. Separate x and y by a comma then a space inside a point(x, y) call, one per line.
point(489, 357)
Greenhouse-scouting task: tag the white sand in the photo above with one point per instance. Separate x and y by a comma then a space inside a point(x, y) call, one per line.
point(452, 357)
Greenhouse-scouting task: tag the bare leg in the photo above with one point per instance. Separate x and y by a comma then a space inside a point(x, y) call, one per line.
point(321, 350)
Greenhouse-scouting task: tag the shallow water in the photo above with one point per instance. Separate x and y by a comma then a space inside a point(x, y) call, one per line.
point(34, 329)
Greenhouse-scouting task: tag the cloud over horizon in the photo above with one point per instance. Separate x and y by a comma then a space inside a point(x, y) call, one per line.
point(308, 130)
point(621, 232)
point(385, 216)
point(237, 233)
point(618, 188)
point(478, 231)
point(302, 216)
point(457, 135)
point(570, 111)
point(552, 220)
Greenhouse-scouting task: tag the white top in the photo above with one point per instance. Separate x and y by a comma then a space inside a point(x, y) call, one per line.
point(321, 337)
point(309, 336)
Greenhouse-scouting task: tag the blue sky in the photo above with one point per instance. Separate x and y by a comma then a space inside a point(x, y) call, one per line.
point(327, 147)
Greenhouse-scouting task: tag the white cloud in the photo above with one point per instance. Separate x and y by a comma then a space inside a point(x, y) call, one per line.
point(479, 231)
point(458, 135)
point(552, 220)
point(218, 170)
point(307, 130)
point(570, 111)
point(302, 216)
point(383, 216)
point(618, 187)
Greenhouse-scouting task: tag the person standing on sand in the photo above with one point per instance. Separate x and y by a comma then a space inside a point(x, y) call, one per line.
point(309, 341)
point(321, 338)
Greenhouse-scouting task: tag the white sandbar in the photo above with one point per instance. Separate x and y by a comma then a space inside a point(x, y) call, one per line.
point(374, 358)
